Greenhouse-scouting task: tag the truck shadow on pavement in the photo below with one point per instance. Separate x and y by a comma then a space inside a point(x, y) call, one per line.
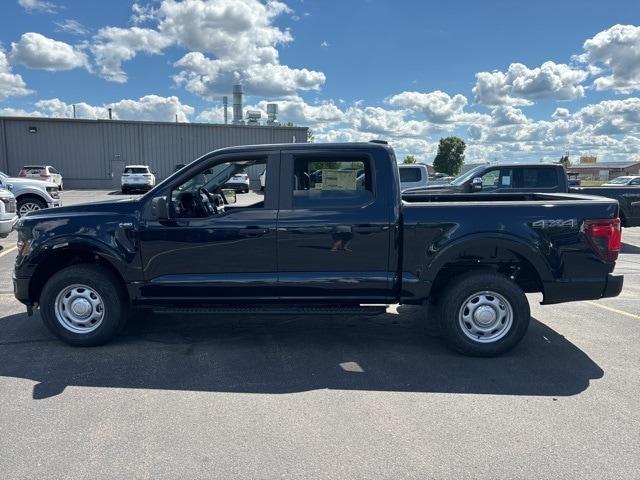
point(628, 248)
point(274, 355)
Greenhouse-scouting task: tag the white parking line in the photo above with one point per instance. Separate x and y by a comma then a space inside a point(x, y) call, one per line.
point(7, 251)
point(615, 310)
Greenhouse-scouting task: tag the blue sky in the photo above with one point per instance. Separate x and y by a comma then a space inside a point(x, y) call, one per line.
point(515, 80)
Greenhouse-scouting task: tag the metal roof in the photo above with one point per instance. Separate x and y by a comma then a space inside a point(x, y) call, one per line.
point(604, 165)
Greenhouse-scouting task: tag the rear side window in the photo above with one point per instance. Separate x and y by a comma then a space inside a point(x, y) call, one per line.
point(539, 178)
point(53, 170)
point(136, 170)
point(410, 175)
point(332, 182)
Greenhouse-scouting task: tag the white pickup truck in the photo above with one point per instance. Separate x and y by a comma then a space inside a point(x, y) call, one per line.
point(30, 194)
point(8, 215)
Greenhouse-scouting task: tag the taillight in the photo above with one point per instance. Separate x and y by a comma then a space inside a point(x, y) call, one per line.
point(605, 236)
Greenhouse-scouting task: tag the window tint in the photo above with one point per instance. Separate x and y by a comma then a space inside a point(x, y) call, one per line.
point(136, 170)
point(329, 182)
point(635, 182)
point(539, 178)
point(410, 174)
point(497, 178)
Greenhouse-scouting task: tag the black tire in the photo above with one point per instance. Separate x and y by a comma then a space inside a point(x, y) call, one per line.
point(26, 200)
point(455, 297)
point(114, 300)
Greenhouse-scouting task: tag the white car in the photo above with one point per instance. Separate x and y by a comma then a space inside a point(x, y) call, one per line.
point(239, 182)
point(8, 212)
point(414, 175)
point(137, 177)
point(628, 180)
point(42, 172)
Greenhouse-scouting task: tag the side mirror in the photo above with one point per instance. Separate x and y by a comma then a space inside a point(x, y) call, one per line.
point(476, 184)
point(159, 208)
point(230, 196)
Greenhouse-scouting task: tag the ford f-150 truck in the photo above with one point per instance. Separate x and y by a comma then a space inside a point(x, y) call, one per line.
point(329, 234)
point(536, 177)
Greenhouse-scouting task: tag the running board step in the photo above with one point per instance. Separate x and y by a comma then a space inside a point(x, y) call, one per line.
point(272, 310)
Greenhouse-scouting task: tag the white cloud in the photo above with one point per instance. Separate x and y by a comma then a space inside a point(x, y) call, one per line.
point(617, 49)
point(72, 27)
point(228, 40)
point(521, 85)
point(437, 106)
point(34, 50)
point(149, 107)
point(560, 113)
point(507, 115)
point(324, 44)
point(116, 45)
point(38, 6)
point(11, 84)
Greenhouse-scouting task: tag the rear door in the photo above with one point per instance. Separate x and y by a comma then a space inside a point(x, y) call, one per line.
point(333, 228)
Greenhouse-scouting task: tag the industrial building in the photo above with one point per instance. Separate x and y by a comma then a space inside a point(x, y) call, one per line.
point(93, 153)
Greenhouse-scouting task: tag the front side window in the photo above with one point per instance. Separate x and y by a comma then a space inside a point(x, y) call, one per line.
point(497, 178)
point(332, 182)
point(225, 185)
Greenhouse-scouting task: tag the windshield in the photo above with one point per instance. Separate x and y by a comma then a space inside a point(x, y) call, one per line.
point(620, 180)
point(466, 176)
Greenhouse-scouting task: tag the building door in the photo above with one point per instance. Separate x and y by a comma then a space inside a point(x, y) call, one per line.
point(117, 169)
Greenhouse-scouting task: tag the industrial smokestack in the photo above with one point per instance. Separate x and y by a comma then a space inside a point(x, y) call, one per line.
point(237, 104)
point(272, 113)
point(110, 114)
point(225, 104)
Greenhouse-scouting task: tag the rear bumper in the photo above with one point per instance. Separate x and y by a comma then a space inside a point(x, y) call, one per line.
point(576, 290)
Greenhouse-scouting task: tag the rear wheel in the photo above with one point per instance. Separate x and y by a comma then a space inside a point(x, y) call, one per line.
point(483, 314)
point(84, 305)
point(30, 204)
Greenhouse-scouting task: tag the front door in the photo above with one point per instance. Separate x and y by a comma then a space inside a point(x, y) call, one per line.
point(205, 253)
point(333, 229)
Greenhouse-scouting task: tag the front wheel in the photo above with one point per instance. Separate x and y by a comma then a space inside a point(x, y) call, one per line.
point(84, 305)
point(483, 314)
point(30, 204)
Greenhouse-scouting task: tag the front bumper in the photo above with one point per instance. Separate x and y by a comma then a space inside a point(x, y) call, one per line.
point(576, 290)
point(54, 203)
point(21, 290)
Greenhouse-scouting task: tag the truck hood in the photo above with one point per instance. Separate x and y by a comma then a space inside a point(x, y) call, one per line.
point(30, 183)
point(126, 206)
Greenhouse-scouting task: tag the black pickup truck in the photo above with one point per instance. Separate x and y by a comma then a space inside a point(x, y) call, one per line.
point(536, 177)
point(330, 234)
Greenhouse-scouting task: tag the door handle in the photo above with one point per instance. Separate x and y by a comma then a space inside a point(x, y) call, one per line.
point(253, 231)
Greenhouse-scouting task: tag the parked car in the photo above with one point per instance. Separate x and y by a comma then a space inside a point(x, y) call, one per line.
point(137, 177)
point(631, 180)
point(413, 176)
point(183, 248)
point(8, 214)
point(31, 195)
point(239, 182)
point(536, 177)
point(42, 172)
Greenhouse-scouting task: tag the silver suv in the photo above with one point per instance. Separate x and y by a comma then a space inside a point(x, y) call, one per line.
point(31, 195)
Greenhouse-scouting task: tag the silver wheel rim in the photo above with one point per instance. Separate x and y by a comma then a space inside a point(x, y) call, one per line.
point(79, 308)
point(485, 317)
point(29, 207)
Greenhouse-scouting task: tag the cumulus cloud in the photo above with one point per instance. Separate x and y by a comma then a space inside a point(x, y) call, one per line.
point(38, 6)
point(617, 50)
point(149, 107)
point(521, 85)
point(228, 40)
point(507, 115)
point(437, 106)
point(34, 50)
point(11, 84)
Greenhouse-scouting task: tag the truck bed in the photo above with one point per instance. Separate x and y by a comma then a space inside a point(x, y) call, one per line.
point(499, 198)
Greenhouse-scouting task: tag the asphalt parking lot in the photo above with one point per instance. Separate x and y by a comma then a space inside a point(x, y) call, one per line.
point(323, 397)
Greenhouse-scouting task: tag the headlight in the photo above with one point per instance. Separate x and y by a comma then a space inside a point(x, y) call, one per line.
point(53, 191)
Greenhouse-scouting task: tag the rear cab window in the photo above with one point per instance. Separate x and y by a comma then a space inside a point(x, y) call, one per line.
point(410, 174)
point(332, 181)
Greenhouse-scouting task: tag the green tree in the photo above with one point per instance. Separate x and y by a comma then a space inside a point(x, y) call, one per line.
point(409, 159)
point(450, 155)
